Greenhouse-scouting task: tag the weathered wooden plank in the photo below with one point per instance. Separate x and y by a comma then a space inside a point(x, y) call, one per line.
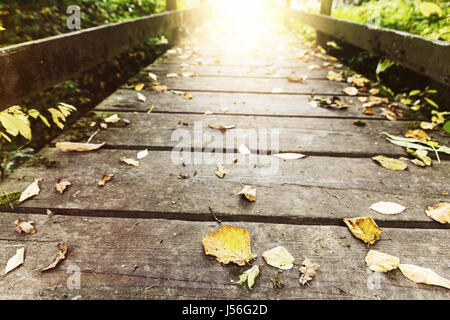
point(164, 68)
point(160, 259)
point(314, 190)
point(219, 84)
point(31, 67)
point(236, 103)
point(405, 48)
point(339, 137)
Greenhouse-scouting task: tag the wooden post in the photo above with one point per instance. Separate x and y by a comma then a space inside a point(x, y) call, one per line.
point(171, 5)
point(325, 8)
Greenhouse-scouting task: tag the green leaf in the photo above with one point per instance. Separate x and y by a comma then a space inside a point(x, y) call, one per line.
point(249, 276)
point(383, 65)
point(446, 127)
point(414, 92)
point(434, 104)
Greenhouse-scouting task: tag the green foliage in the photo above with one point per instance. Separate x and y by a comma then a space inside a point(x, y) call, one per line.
point(403, 15)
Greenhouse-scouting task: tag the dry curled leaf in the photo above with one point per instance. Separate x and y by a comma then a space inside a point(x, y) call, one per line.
point(351, 91)
point(60, 256)
point(188, 96)
point(221, 127)
point(381, 262)
point(221, 172)
point(141, 97)
point(49, 212)
point(30, 191)
point(112, 119)
point(129, 161)
point(24, 226)
point(249, 193)
point(390, 163)
point(385, 207)
point(229, 244)
point(105, 178)
point(61, 185)
point(296, 78)
point(15, 260)
point(142, 154)
point(159, 89)
point(364, 228)
point(423, 275)
point(334, 76)
point(77, 146)
point(368, 110)
point(428, 125)
point(308, 271)
point(439, 212)
point(417, 134)
point(279, 257)
point(172, 75)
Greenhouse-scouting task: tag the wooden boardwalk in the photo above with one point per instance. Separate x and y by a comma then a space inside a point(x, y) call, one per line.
point(140, 236)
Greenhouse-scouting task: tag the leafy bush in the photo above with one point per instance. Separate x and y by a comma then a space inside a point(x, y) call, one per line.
point(418, 17)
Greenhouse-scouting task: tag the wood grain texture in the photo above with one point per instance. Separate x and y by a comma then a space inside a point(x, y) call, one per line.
point(31, 67)
point(159, 259)
point(338, 137)
point(314, 190)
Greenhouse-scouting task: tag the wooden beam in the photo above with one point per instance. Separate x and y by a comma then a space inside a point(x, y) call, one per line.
point(171, 5)
point(34, 66)
point(325, 9)
point(425, 56)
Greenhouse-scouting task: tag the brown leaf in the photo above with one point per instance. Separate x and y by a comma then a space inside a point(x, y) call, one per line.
point(221, 172)
point(129, 161)
point(61, 185)
point(24, 226)
point(351, 91)
point(60, 256)
point(50, 213)
point(79, 147)
point(105, 178)
point(221, 127)
point(159, 89)
point(308, 271)
point(296, 78)
point(368, 110)
point(364, 228)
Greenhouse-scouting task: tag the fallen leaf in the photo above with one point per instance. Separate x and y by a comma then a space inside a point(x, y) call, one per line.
point(334, 76)
point(417, 134)
point(221, 172)
point(249, 276)
point(229, 244)
point(249, 192)
point(428, 125)
point(390, 163)
point(381, 262)
point(159, 89)
point(418, 163)
point(142, 154)
point(61, 185)
point(139, 87)
point(243, 149)
point(188, 74)
point(420, 154)
point(385, 207)
point(279, 257)
point(188, 96)
point(277, 90)
point(129, 161)
point(296, 78)
point(77, 146)
point(221, 127)
point(368, 110)
point(308, 271)
point(439, 212)
point(49, 212)
point(313, 67)
point(362, 99)
point(351, 91)
point(15, 260)
point(223, 110)
point(30, 191)
point(105, 178)
point(24, 226)
point(172, 75)
point(364, 228)
point(112, 119)
point(60, 256)
point(153, 76)
point(423, 275)
point(374, 91)
point(289, 156)
point(141, 97)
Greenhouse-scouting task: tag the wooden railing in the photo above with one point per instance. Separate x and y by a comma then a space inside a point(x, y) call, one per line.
point(425, 56)
point(31, 67)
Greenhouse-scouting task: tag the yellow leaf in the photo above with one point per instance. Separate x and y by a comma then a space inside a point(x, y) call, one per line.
point(249, 192)
point(364, 228)
point(229, 244)
point(417, 134)
point(430, 9)
point(351, 91)
point(5, 136)
point(221, 172)
point(139, 87)
point(1, 28)
point(76, 146)
point(439, 212)
point(279, 257)
point(57, 117)
point(390, 163)
point(15, 121)
point(381, 262)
